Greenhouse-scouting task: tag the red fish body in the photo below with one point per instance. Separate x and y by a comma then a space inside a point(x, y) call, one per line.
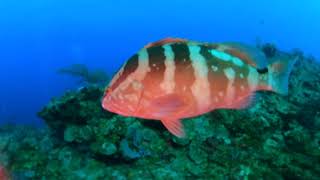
point(174, 79)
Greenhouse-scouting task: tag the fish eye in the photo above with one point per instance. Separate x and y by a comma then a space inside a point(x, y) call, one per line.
point(262, 70)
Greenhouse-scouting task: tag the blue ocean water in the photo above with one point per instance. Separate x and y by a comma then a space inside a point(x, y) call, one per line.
point(37, 37)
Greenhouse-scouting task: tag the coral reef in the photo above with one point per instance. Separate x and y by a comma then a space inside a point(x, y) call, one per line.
point(277, 138)
point(86, 76)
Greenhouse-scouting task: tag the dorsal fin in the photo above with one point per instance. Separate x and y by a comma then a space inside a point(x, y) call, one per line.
point(246, 53)
point(165, 41)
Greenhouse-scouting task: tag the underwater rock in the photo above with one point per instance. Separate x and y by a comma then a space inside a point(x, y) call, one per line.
point(77, 134)
point(196, 154)
point(317, 121)
point(127, 151)
point(74, 109)
point(69, 134)
point(297, 137)
point(274, 144)
point(108, 148)
point(181, 141)
point(4, 142)
point(277, 137)
point(163, 173)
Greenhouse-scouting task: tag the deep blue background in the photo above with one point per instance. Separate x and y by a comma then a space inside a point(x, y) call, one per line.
point(39, 36)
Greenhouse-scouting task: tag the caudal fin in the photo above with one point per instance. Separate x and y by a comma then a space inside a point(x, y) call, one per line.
point(279, 73)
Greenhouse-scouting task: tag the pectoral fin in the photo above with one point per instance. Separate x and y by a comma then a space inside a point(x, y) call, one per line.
point(169, 108)
point(174, 126)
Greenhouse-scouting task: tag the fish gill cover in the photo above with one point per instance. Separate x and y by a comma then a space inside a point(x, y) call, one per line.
point(277, 138)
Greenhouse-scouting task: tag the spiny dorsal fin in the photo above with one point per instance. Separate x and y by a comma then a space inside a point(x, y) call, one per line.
point(248, 54)
point(165, 41)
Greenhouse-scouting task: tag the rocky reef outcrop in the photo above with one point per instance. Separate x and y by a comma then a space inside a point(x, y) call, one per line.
point(278, 137)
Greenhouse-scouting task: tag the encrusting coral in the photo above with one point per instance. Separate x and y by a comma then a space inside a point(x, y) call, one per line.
point(277, 137)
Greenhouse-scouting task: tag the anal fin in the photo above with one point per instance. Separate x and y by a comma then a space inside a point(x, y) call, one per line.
point(174, 126)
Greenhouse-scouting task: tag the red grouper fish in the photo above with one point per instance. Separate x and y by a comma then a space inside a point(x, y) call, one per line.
point(172, 79)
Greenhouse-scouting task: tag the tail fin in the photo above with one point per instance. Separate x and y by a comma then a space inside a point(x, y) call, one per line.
point(279, 73)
